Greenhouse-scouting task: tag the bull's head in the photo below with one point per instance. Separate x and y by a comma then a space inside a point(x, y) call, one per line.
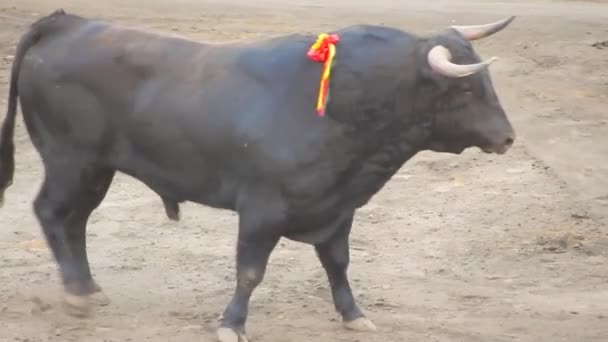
point(467, 110)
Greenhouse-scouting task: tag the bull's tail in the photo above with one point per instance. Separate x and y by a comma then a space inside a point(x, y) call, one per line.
point(7, 131)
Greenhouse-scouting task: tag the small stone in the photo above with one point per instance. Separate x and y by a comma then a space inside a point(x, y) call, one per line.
point(600, 45)
point(103, 329)
point(580, 216)
point(190, 328)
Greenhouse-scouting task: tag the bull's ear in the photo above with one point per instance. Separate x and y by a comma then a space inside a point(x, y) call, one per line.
point(440, 61)
point(474, 32)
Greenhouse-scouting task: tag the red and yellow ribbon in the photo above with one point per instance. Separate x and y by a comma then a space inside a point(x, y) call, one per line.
point(324, 50)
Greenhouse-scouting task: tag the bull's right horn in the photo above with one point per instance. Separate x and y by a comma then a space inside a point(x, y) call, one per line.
point(473, 32)
point(440, 60)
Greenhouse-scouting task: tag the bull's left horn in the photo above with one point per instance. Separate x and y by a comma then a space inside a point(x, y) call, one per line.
point(440, 60)
point(473, 32)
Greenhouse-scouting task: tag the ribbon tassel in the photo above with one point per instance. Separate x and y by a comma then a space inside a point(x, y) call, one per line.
point(324, 51)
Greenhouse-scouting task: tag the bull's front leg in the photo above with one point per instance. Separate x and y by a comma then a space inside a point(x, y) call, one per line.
point(334, 256)
point(255, 245)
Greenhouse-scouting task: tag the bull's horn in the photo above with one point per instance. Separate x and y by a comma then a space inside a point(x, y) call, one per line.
point(439, 59)
point(474, 32)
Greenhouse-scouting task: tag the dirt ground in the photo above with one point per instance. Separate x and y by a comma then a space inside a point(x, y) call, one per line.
point(455, 248)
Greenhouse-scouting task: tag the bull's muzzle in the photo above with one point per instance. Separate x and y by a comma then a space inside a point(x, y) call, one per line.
point(501, 146)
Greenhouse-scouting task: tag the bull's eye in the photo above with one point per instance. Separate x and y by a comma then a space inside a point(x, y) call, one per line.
point(461, 100)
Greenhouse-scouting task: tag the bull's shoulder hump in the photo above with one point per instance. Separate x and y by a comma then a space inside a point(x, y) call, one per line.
point(360, 33)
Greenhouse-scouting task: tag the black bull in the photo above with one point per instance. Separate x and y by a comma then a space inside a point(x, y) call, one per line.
point(233, 126)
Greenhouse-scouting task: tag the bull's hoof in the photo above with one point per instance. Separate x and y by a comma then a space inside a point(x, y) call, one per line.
point(77, 306)
point(228, 335)
point(99, 298)
point(176, 216)
point(362, 324)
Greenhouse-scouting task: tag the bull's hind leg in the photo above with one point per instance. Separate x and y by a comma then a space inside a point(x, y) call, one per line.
point(71, 191)
point(334, 256)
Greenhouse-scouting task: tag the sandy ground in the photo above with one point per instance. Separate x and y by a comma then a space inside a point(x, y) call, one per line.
point(455, 248)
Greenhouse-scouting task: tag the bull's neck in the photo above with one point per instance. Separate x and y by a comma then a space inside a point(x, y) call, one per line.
point(387, 121)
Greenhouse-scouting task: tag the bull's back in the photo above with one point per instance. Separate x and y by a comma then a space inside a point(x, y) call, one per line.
point(185, 118)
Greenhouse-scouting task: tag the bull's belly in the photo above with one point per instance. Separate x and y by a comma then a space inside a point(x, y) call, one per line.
point(202, 185)
point(308, 220)
point(319, 228)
